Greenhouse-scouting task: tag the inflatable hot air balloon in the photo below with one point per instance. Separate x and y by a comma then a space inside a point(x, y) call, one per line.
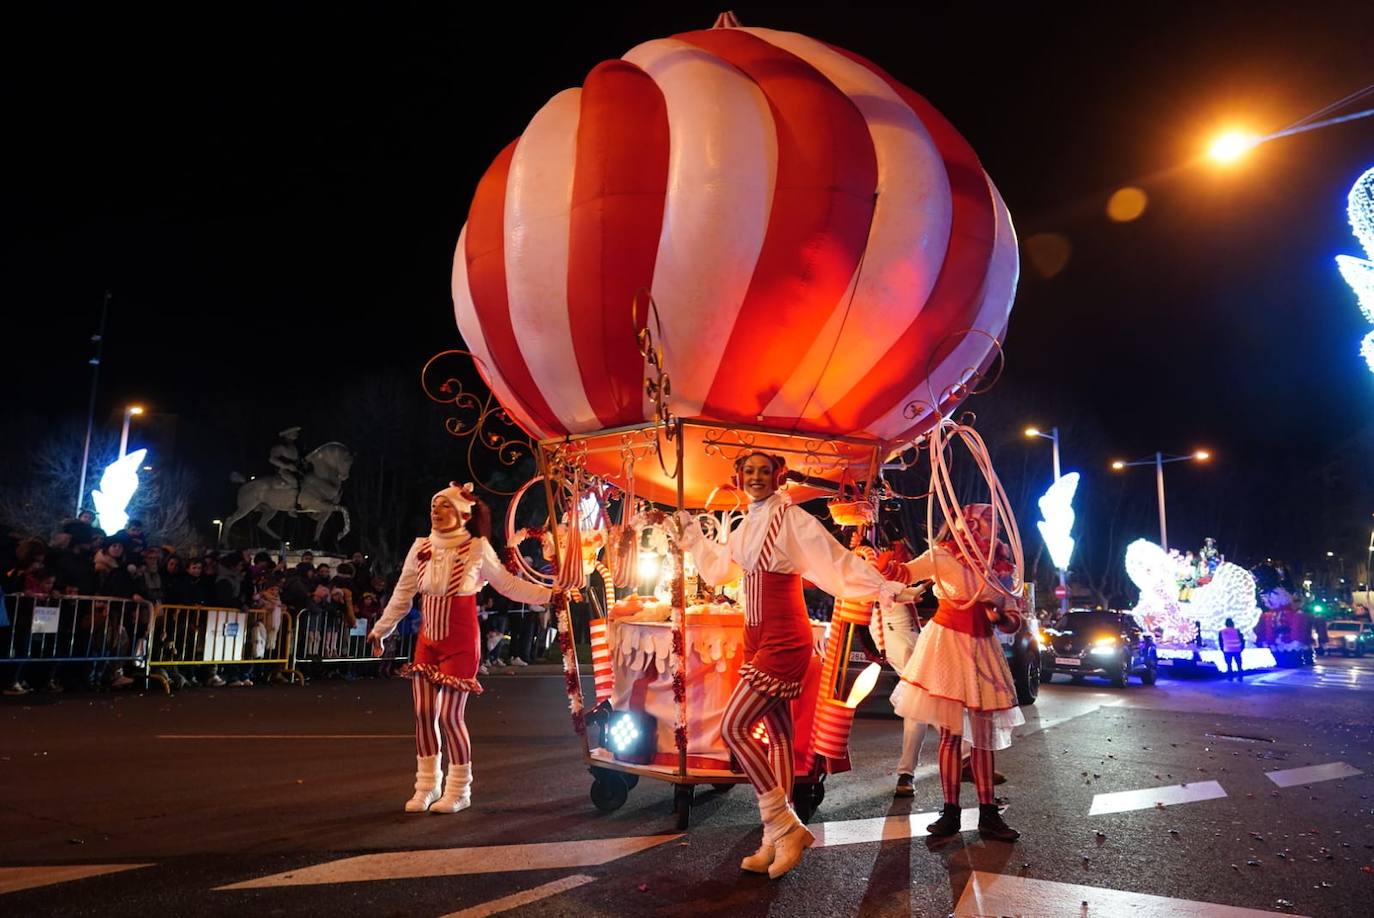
point(829, 261)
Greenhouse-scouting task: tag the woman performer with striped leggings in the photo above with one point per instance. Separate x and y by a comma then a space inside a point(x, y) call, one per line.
point(773, 549)
point(447, 569)
point(957, 679)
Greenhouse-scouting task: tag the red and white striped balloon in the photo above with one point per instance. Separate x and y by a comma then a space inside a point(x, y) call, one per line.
point(817, 238)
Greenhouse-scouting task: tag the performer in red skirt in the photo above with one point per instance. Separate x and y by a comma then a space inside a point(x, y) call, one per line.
point(447, 568)
point(773, 549)
point(957, 679)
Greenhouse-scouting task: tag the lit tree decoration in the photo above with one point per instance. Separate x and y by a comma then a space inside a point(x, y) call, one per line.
point(118, 483)
point(1230, 594)
point(1056, 528)
point(1359, 272)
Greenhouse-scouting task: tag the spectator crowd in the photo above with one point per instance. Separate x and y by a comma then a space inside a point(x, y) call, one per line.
point(117, 592)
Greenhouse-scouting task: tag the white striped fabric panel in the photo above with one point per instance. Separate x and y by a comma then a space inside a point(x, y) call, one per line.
point(538, 227)
point(722, 167)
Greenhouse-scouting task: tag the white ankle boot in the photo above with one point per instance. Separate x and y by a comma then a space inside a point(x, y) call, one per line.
point(771, 806)
point(780, 824)
point(426, 784)
point(457, 791)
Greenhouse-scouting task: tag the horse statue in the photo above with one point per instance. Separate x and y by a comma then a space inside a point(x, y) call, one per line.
point(325, 469)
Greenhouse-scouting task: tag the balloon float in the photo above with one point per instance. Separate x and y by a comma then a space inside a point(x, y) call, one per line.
point(826, 255)
point(726, 240)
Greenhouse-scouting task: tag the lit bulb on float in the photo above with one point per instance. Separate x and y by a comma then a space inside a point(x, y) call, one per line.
point(863, 685)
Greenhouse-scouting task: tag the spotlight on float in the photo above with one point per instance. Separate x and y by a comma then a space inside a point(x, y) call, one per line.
point(648, 567)
point(631, 736)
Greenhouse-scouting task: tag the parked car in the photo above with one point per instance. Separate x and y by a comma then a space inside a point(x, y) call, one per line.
point(1107, 644)
point(1348, 637)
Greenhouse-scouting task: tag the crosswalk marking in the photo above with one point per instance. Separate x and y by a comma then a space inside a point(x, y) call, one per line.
point(995, 894)
point(1311, 774)
point(448, 862)
point(1169, 795)
point(13, 879)
point(883, 828)
point(525, 897)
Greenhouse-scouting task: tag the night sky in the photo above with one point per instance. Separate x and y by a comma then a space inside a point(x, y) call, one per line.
point(273, 199)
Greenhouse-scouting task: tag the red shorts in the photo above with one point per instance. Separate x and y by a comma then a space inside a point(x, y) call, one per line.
point(448, 650)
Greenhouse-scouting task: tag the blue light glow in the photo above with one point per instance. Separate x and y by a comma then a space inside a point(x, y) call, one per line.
point(1358, 272)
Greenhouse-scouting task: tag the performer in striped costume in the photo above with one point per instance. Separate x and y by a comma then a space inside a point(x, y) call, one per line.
point(773, 549)
point(447, 568)
point(957, 679)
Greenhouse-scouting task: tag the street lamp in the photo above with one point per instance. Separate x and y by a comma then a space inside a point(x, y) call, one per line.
point(219, 529)
point(1159, 461)
point(1053, 437)
point(124, 436)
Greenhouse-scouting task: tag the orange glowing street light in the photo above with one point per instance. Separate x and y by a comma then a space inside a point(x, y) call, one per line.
point(129, 412)
point(1232, 145)
point(1159, 461)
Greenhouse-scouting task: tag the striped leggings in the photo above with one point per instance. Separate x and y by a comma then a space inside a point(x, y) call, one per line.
point(951, 768)
point(439, 712)
point(766, 764)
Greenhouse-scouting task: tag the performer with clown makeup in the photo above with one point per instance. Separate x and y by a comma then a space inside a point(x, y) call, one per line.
point(447, 568)
point(957, 679)
point(773, 549)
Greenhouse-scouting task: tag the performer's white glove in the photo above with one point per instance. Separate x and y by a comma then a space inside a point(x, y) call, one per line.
point(911, 594)
point(684, 529)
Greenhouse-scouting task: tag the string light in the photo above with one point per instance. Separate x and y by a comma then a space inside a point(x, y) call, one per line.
point(1358, 272)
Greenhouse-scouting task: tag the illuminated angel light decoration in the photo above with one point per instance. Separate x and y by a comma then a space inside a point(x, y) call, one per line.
point(1230, 594)
point(1056, 507)
point(118, 483)
point(1359, 272)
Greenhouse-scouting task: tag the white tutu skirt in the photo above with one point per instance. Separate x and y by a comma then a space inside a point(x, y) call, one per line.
point(961, 683)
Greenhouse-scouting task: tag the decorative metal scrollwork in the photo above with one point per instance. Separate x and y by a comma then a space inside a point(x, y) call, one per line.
point(658, 386)
point(477, 419)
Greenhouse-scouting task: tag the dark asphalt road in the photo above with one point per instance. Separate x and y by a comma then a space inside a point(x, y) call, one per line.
point(118, 779)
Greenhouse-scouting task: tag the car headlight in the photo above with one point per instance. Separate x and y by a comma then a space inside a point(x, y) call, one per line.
point(1105, 647)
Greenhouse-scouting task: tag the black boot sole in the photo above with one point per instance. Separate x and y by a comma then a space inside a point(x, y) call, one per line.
point(1001, 835)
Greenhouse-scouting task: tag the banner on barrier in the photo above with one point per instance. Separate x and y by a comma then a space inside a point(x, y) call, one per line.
point(45, 620)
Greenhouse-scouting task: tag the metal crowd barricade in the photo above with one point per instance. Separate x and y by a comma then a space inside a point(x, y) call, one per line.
point(322, 639)
point(216, 636)
point(86, 638)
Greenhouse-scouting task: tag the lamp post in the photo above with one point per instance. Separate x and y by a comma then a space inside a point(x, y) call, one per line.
point(219, 529)
point(1159, 461)
point(1053, 437)
point(129, 412)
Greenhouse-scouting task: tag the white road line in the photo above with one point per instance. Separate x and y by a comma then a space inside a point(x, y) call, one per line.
point(283, 736)
point(883, 828)
point(515, 900)
point(1289, 777)
point(995, 894)
point(13, 879)
point(449, 862)
point(1170, 795)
